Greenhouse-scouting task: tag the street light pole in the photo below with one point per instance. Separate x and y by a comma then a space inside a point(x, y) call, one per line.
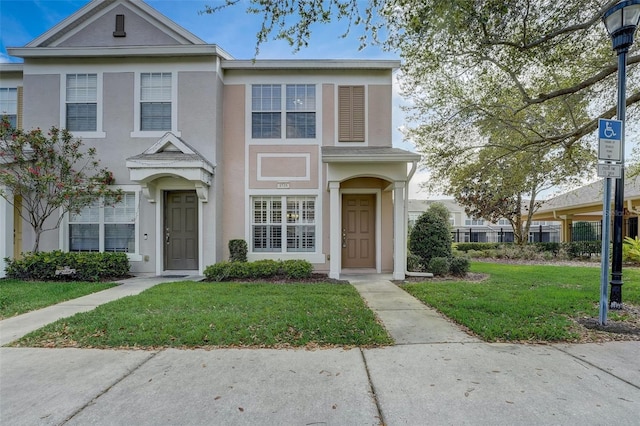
point(621, 21)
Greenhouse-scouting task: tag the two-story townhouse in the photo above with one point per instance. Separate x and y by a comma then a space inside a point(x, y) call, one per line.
point(295, 157)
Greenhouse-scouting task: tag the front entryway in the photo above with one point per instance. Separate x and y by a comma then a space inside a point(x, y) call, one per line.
point(180, 230)
point(358, 231)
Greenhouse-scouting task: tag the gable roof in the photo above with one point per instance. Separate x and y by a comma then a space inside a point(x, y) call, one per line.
point(89, 32)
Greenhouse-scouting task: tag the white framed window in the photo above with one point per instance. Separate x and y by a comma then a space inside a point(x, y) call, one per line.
point(283, 224)
point(155, 101)
point(155, 97)
point(503, 222)
point(474, 222)
point(9, 104)
point(105, 226)
point(298, 104)
point(82, 103)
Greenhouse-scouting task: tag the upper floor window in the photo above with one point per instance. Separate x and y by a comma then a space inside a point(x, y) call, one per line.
point(82, 102)
point(267, 105)
point(474, 222)
point(155, 101)
point(351, 114)
point(9, 105)
point(503, 222)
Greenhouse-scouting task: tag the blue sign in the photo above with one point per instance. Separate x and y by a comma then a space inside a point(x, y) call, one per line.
point(610, 129)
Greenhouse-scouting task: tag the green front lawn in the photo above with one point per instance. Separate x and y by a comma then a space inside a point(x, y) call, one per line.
point(18, 297)
point(524, 302)
point(195, 314)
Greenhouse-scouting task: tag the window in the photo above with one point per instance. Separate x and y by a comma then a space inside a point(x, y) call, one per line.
point(155, 101)
point(267, 106)
point(9, 105)
point(301, 116)
point(474, 222)
point(82, 106)
point(351, 114)
point(503, 222)
point(283, 224)
point(105, 228)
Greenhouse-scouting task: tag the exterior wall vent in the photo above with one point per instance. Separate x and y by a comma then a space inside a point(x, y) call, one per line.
point(119, 32)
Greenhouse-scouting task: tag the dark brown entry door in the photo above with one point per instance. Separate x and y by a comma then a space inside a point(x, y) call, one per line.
point(180, 230)
point(358, 231)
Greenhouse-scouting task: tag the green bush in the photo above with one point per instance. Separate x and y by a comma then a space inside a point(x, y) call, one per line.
point(297, 269)
point(477, 246)
point(439, 266)
point(459, 266)
point(582, 249)
point(264, 268)
point(260, 269)
point(238, 250)
point(42, 266)
point(414, 263)
point(430, 236)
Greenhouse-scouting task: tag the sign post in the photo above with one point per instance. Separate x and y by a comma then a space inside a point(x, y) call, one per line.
point(609, 151)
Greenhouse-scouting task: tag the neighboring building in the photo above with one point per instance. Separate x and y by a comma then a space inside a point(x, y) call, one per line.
point(466, 229)
point(293, 156)
point(584, 206)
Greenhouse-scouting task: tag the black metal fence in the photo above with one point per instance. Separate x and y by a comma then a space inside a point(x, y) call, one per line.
point(538, 233)
point(578, 231)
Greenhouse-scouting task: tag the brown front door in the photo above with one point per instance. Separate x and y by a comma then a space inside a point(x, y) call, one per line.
point(180, 230)
point(358, 231)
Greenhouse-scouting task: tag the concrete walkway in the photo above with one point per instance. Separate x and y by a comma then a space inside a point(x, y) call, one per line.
point(435, 374)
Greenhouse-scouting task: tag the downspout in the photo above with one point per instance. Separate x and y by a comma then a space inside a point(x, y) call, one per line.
point(414, 167)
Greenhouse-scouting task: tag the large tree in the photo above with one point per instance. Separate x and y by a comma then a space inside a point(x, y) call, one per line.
point(51, 174)
point(491, 81)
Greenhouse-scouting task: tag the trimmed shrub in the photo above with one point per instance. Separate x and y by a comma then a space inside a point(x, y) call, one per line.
point(430, 236)
point(264, 268)
point(42, 266)
point(459, 266)
point(238, 250)
point(439, 266)
point(414, 263)
point(477, 246)
point(297, 269)
point(260, 269)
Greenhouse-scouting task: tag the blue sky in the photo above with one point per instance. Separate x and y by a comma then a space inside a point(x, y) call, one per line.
point(234, 30)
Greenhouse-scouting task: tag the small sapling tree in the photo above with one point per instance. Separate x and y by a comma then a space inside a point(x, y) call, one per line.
point(52, 173)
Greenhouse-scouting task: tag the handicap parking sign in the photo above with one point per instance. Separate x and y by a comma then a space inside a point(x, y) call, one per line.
point(610, 129)
point(609, 140)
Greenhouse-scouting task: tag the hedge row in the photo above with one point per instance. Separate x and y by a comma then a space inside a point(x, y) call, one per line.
point(573, 250)
point(260, 269)
point(42, 266)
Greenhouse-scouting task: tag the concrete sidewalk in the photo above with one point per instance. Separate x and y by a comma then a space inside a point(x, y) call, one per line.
point(435, 374)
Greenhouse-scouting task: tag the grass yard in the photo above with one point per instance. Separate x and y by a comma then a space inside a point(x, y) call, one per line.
point(198, 314)
point(18, 297)
point(525, 302)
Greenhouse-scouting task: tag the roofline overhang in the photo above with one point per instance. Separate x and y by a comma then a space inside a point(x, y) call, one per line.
point(313, 64)
point(11, 67)
point(119, 51)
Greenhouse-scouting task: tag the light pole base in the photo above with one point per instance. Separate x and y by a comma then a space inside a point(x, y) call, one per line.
point(615, 298)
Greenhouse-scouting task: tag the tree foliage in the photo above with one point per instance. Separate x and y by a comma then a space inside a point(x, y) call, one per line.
point(431, 235)
point(51, 173)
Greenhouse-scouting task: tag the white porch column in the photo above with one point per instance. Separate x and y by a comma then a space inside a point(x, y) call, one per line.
point(335, 236)
point(399, 231)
